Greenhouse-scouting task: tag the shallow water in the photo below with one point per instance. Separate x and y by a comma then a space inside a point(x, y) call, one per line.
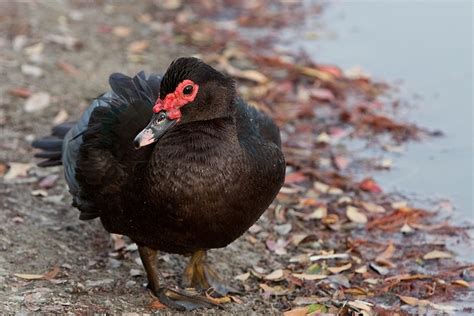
point(428, 47)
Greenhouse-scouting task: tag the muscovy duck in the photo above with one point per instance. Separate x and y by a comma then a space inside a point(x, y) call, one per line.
point(179, 164)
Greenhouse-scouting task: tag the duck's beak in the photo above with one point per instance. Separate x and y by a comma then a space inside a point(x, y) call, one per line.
point(158, 126)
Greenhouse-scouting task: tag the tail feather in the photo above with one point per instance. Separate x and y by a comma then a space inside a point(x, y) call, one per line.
point(51, 146)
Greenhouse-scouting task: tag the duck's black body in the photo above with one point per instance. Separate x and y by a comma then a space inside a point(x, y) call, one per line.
point(200, 186)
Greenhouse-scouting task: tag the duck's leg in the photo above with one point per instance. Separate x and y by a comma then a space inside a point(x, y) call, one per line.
point(199, 274)
point(180, 300)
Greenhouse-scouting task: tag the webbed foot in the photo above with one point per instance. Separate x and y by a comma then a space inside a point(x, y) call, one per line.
point(200, 275)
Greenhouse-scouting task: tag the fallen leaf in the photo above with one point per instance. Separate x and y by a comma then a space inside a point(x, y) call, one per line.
point(60, 117)
point(68, 68)
point(379, 269)
point(283, 229)
point(436, 254)
point(361, 270)
point(413, 301)
point(242, 277)
point(333, 256)
point(122, 31)
point(27, 276)
point(309, 277)
point(386, 255)
point(461, 283)
point(277, 290)
point(276, 275)
point(370, 185)
point(17, 170)
point(67, 42)
point(45, 276)
point(361, 305)
point(299, 311)
point(322, 94)
point(372, 207)
point(138, 47)
point(20, 92)
point(318, 213)
point(339, 269)
point(355, 215)
point(37, 102)
point(32, 71)
point(295, 177)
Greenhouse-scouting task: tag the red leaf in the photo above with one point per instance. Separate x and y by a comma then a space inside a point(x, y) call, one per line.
point(369, 185)
point(295, 177)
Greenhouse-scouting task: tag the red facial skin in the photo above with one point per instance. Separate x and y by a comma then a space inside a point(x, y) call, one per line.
point(173, 101)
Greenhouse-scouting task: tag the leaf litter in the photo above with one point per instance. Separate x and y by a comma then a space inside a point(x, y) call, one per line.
point(333, 242)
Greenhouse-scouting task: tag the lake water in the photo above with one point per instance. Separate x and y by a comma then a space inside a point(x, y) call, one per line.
point(428, 48)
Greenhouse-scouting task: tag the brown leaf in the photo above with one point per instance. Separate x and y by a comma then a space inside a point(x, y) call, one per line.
point(20, 92)
point(372, 207)
point(309, 277)
point(17, 170)
point(355, 215)
point(277, 290)
point(295, 177)
point(436, 254)
point(68, 68)
point(37, 102)
point(370, 185)
point(138, 47)
point(461, 283)
point(276, 275)
point(300, 311)
point(339, 269)
point(45, 276)
point(122, 31)
point(386, 255)
point(242, 277)
point(413, 301)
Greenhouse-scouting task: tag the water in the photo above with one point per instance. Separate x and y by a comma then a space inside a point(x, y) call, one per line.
point(429, 47)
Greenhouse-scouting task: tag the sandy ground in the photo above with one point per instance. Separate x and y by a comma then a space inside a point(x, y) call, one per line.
point(38, 233)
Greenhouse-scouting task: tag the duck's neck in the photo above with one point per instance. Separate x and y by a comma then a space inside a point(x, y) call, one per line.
point(198, 140)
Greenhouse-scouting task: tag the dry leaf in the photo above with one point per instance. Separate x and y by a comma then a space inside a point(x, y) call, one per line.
point(319, 213)
point(138, 46)
point(60, 117)
point(361, 270)
point(45, 276)
point(122, 31)
point(27, 276)
point(309, 277)
point(370, 185)
point(339, 269)
point(17, 170)
point(37, 102)
point(242, 277)
point(275, 275)
point(436, 254)
point(300, 311)
point(386, 254)
point(413, 301)
point(355, 215)
point(461, 283)
point(333, 256)
point(372, 207)
point(277, 290)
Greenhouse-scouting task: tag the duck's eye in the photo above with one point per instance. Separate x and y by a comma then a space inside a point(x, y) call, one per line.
point(161, 117)
point(188, 89)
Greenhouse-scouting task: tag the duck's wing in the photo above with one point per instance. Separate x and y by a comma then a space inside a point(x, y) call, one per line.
point(98, 152)
point(252, 122)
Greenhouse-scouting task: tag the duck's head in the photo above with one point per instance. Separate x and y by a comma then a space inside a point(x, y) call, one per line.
point(190, 91)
